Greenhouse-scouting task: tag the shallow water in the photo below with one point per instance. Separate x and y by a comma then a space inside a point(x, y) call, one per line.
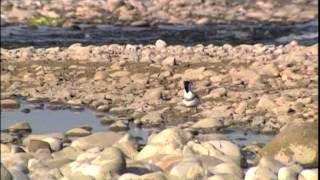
point(20, 36)
point(48, 121)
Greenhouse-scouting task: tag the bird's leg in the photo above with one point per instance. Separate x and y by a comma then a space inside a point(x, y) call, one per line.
point(194, 110)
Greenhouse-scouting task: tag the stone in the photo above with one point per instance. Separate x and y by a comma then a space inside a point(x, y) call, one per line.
point(119, 126)
point(218, 93)
point(265, 103)
point(246, 75)
point(153, 118)
point(111, 159)
point(55, 143)
point(66, 153)
point(195, 74)
point(17, 173)
point(79, 52)
point(227, 148)
point(296, 142)
point(5, 148)
point(153, 95)
point(220, 149)
point(287, 173)
point(154, 176)
point(164, 162)
point(160, 44)
point(169, 61)
point(111, 5)
point(8, 138)
point(168, 141)
point(269, 70)
point(208, 123)
point(188, 168)
point(81, 171)
point(128, 145)
point(257, 173)
point(5, 174)
point(77, 132)
point(100, 75)
point(202, 21)
point(87, 156)
point(98, 139)
point(103, 108)
point(271, 164)
point(35, 144)
point(20, 126)
point(9, 104)
point(151, 176)
point(107, 120)
point(241, 108)
point(218, 112)
point(308, 174)
point(228, 168)
point(129, 176)
point(54, 140)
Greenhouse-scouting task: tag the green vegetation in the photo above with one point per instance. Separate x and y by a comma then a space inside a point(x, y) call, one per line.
point(46, 21)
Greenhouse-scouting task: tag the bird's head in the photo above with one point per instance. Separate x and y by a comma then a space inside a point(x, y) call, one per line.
point(187, 85)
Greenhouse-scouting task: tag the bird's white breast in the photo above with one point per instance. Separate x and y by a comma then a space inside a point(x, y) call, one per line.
point(191, 103)
point(188, 95)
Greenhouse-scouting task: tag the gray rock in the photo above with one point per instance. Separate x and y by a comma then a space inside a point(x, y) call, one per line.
point(18, 174)
point(5, 174)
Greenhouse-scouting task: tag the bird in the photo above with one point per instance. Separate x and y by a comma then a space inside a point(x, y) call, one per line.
point(190, 98)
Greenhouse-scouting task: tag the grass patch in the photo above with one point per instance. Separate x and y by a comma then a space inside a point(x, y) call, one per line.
point(46, 21)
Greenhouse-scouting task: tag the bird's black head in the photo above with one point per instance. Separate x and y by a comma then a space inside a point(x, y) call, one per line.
point(187, 85)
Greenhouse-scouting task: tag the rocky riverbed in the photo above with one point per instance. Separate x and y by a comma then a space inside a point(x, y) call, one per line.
point(261, 87)
point(150, 12)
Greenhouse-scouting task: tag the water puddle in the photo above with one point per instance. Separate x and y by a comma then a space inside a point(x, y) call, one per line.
point(21, 35)
point(44, 120)
point(242, 138)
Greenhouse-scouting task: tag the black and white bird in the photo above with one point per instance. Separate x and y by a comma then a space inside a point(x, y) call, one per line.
point(190, 99)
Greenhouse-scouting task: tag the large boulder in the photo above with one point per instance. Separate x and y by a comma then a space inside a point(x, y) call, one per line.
point(297, 142)
point(168, 141)
point(221, 149)
point(99, 139)
point(111, 160)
